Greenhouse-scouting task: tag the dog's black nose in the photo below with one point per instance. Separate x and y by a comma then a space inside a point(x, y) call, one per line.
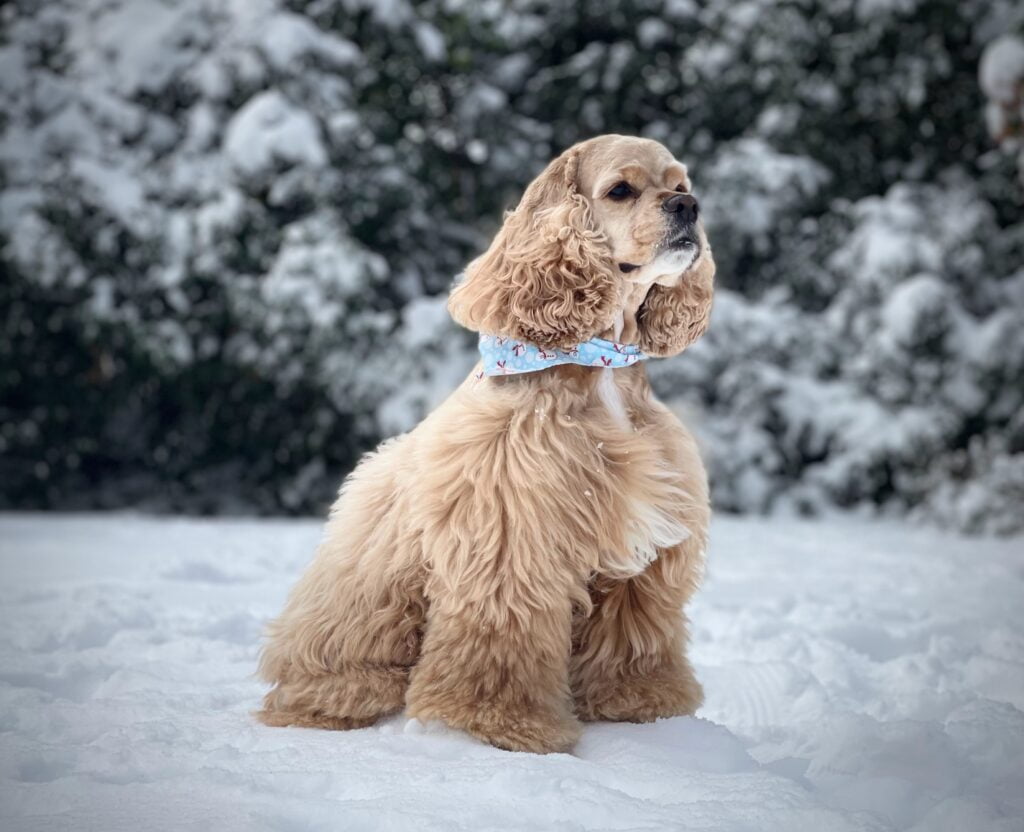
point(684, 206)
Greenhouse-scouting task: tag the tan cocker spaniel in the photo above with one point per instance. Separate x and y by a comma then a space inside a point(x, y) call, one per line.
point(520, 560)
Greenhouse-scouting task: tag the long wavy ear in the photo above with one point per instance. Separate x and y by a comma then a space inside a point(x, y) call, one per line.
point(548, 277)
point(673, 317)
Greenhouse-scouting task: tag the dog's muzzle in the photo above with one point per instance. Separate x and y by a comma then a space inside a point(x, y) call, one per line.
point(684, 210)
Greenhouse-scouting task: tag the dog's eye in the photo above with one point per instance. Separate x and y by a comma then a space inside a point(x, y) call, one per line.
point(621, 191)
point(680, 189)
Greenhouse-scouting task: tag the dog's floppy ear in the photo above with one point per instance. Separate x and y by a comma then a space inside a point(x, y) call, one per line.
point(548, 277)
point(673, 317)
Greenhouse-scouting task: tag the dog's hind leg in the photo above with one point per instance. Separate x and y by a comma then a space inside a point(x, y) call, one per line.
point(339, 655)
point(343, 685)
point(351, 697)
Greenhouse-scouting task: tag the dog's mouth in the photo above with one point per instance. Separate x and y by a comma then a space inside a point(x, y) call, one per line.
point(686, 243)
point(686, 240)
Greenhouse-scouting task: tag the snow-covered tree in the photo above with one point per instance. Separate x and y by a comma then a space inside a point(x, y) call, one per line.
point(226, 231)
point(1001, 74)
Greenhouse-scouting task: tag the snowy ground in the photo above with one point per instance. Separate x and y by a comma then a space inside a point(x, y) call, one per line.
point(859, 677)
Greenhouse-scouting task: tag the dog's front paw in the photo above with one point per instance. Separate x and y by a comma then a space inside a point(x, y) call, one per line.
point(642, 698)
point(542, 732)
point(519, 728)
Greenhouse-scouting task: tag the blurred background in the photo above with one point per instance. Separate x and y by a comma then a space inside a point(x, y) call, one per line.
point(227, 230)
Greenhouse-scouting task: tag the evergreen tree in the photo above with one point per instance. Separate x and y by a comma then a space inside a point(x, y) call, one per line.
point(226, 232)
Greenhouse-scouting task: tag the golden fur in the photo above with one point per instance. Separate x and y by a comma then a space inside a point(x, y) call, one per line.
point(520, 561)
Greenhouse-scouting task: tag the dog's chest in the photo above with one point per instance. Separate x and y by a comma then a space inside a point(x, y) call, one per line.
point(653, 513)
point(611, 397)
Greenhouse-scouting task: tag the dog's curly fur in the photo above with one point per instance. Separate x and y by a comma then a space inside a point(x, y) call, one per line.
point(519, 562)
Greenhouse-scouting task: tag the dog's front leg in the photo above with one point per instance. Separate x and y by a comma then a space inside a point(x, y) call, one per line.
point(497, 666)
point(630, 663)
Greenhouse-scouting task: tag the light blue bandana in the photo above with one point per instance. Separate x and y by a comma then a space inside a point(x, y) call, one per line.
point(506, 356)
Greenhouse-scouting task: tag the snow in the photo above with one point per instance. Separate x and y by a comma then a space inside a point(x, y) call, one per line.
point(288, 38)
point(317, 268)
point(751, 180)
point(269, 129)
point(893, 238)
point(429, 40)
point(139, 45)
point(912, 305)
point(1001, 69)
point(444, 359)
point(651, 30)
point(859, 676)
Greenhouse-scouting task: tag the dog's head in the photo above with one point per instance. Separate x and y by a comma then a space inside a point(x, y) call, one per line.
point(610, 217)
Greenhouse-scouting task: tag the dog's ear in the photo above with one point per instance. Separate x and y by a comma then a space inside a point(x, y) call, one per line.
point(673, 317)
point(548, 277)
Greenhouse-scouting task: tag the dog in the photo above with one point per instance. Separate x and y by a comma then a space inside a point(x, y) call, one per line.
point(519, 562)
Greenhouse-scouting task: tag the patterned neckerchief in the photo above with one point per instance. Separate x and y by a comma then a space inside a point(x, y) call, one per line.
point(503, 356)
